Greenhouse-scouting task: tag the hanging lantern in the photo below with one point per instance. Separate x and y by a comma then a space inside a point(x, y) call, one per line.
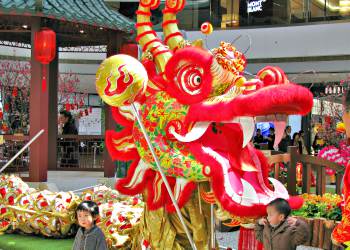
point(67, 107)
point(44, 50)
point(14, 92)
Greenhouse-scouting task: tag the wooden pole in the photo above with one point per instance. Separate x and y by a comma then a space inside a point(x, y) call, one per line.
point(113, 46)
point(291, 173)
point(52, 114)
point(38, 116)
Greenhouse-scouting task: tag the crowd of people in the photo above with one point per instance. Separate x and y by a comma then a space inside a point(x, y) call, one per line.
point(287, 140)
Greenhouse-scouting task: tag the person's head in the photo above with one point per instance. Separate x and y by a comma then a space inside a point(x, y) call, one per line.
point(271, 131)
point(258, 131)
point(288, 130)
point(277, 211)
point(87, 212)
point(301, 133)
point(65, 116)
point(295, 136)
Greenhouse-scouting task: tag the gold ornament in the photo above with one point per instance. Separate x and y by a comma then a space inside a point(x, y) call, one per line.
point(120, 79)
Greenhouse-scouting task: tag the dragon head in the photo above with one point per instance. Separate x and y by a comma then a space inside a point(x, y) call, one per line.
point(200, 115)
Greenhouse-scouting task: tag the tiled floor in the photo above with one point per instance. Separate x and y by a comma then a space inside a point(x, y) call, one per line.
point(72, 180)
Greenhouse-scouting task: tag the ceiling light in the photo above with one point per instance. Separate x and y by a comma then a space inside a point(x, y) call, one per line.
point(25, 26)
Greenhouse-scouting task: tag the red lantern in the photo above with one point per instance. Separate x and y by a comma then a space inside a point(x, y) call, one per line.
point(45, 50)
point(14, 92)
point(67, 107)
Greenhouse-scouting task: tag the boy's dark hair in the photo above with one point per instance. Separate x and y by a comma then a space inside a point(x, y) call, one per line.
point(281, 205)
point(66, 114)
point(88, 206)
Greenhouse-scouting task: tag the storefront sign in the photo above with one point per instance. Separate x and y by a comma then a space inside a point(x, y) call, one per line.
point(255, 6)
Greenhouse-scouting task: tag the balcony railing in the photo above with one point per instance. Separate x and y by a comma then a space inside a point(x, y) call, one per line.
point(10, 146)
point(82, 152)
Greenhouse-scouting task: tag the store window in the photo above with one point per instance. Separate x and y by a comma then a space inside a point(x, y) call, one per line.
point(229, 13)
point(298, 11)
point(317, 10)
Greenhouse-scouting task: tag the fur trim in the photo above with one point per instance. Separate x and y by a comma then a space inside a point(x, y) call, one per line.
point(122, 137)
point(184, 197)
point(265, 168)
point(275, 99)
point(122, 185)
point(198, 60)
point(156, 79)
point(295, 202)
point(120, 119)
point(217, 180)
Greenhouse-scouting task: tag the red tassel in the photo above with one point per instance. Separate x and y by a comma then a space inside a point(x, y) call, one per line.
point(247, 240)
point(43, 82)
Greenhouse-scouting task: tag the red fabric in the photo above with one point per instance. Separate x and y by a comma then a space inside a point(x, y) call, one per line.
point(191, 59)
point(45, 45)
point(121, 119)
point(156, 79)
point(247, 240)
point(266, 101)
point(114, 139)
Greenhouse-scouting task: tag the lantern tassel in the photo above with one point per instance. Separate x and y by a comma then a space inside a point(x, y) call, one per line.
point(43, 82)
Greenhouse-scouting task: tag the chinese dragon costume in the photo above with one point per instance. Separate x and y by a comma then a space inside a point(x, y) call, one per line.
point(199, 112)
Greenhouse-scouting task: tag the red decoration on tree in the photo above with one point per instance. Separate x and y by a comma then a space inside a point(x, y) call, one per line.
point(1, 115)
point(6, 107)
point(14, 92)
point(67, 107)
point(44, 50)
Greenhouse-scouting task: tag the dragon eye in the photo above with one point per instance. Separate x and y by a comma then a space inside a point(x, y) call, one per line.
point(190, 79)
point(197, 79)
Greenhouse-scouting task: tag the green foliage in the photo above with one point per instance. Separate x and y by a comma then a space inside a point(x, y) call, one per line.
point(315, 206)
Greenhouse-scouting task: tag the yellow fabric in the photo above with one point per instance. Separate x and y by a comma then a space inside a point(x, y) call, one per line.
point(164, 230)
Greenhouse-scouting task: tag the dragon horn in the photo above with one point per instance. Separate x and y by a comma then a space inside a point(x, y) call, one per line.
point(147, 37)
point(173, 37)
